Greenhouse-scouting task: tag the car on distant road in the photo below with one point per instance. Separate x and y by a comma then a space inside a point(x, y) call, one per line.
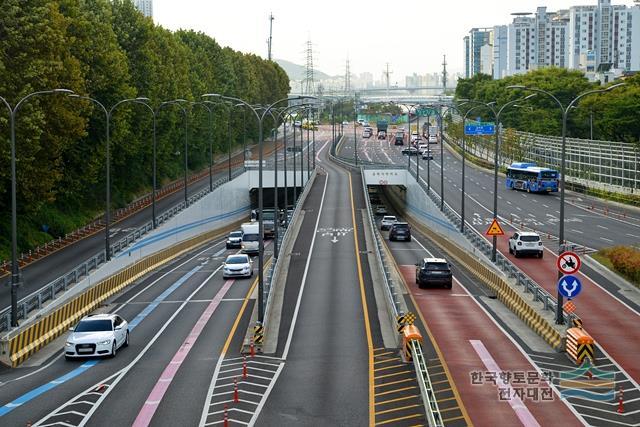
point(422, 147)
point(387, 222)
point(97, 335)
point(433, 139)
point(365, 123)
point(234, 239)
point(411, 151)
point(427, 154)
point(345, 122)
point(434, 271)
point(382, 135)
point(237, 265)
point(526, 242)
point(297, 123)
point(366, 133)
point(381, 210)
point(400, 231)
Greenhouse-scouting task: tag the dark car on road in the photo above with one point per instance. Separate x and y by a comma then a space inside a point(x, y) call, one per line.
point(400, 231)
point(410, 151)
point(434, 271)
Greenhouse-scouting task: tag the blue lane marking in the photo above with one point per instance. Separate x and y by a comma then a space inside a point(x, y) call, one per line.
point(168, 233)
point(4, 410)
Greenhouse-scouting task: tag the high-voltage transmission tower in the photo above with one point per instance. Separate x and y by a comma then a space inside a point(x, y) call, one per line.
point(387, 73)
point(347, 79)
point(444, 75)
point(308, 80)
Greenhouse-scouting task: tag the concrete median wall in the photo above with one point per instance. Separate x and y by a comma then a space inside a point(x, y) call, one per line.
point(210, 217)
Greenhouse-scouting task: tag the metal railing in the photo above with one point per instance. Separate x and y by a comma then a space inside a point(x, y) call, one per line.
point(384, 267)
point(502, 262)
point(592, 163)
point(431, 409)
point(49, 292)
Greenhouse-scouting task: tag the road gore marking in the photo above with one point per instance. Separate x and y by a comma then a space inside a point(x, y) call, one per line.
point(365, 310)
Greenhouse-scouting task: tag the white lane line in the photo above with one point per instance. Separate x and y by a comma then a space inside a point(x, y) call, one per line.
point(508, 202)
point(633, 235)
point(522, 412)
point(602, 226)
point(606, 240)
point(545, 206)
point(266, 395)
point(577, 231)
point(519, 208)
point(304, 275)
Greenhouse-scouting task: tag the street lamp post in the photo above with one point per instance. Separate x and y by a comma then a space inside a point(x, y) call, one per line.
point(565, 114)
point(464, 148)
point(15, 267)
point(259, 119)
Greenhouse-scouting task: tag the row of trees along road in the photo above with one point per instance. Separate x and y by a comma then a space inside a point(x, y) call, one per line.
point(107, 50)
point(615, 113)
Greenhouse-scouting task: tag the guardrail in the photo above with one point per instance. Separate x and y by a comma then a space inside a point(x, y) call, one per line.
point(390, 288)
point(502, 262)
point(434, 418)
point(49, 292)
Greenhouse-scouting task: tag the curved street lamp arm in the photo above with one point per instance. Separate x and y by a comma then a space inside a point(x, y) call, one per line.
point(40, 92)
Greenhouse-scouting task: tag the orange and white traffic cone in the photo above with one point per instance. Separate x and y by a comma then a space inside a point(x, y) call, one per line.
point(236, 398)
point(226, 417)
point(244, 368)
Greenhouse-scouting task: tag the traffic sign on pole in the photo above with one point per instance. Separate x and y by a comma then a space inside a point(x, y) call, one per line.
point(494, 229)
point(569, 286)
point(568, 263)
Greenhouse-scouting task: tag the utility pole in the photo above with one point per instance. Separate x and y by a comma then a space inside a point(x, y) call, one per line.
point(270, 33)
point(386, 75)
point(444, 75)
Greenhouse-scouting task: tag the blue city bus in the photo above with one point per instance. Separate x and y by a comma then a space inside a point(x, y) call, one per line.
point(532, 178)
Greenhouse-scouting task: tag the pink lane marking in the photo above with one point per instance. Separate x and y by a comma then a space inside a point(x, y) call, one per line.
point(522, 412)
point(162, 385)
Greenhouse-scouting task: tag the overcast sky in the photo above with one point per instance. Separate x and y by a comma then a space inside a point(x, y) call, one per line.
point(411, 36)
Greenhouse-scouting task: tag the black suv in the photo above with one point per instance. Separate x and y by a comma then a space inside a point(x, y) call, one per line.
point(434, 271)
point(400, 231)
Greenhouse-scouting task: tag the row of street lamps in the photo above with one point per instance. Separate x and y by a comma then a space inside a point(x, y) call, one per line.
point(497, 113)
point(206, 103)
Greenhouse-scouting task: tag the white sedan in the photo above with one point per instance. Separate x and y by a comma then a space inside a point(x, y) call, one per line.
point(239, 265)
point(97, 335)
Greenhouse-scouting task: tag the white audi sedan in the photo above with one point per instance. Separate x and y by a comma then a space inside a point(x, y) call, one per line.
point(97, 335)
point(239, 265)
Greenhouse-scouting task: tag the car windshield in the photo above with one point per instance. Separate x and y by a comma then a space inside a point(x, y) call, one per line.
point(389, 218)
point(237, 260)
point(529, 238)
point(438, 266)
point(401, 226)
point(93, 326)
point(235, 234)
point(250, 238)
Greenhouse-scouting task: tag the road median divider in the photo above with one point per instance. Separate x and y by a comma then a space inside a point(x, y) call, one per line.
point(19, 344)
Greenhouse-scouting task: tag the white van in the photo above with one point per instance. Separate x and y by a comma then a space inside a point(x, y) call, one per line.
point(250, 237)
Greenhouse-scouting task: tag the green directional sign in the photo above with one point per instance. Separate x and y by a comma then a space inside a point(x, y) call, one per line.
point(424, 112)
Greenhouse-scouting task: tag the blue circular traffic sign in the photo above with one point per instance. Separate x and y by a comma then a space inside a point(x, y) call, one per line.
point(569, 286)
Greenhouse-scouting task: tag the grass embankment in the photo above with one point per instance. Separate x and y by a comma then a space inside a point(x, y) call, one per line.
point(624, 260)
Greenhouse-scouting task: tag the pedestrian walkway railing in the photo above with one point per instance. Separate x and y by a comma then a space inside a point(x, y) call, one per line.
point(49, 292)
point(538, 293)
point(592, 163)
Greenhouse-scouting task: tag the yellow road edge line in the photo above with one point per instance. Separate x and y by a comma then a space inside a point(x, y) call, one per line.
point(435, 344)
point(393, 420)
point(232, 332)
point(388, 367)
point(400, 408)
point(365, 309)
point(397, 390)
point(396, 382)
point(384, 402)
point(442, 391)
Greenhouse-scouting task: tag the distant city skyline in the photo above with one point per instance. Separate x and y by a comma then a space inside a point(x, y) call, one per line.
point(411, 40)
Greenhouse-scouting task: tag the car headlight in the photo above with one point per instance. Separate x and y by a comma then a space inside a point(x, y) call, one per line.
point(105, 342)
point(68, 344)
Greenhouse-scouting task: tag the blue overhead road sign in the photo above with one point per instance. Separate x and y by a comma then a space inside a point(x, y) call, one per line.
point(569, 286)
point(480, 129)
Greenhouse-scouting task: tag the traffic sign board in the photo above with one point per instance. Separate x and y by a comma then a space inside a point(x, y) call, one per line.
point(423, 112)
point(569, 307)
point(494, 229)
point(568, 263)
point(485, 129)
point(569, 286)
